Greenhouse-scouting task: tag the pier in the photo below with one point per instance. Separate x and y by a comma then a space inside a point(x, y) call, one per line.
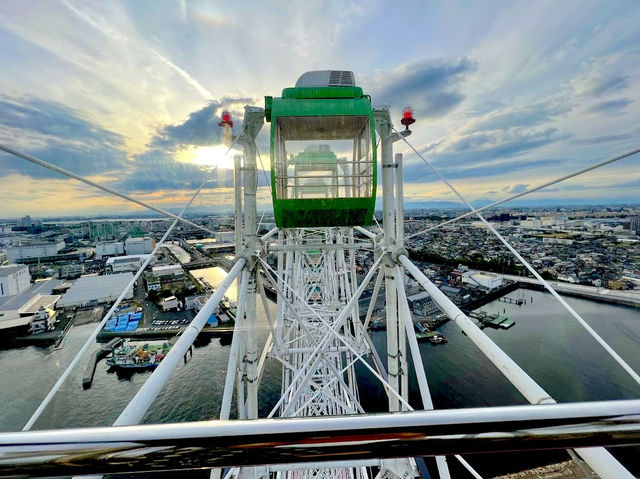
point(87, 380)
point(626, 298)
point(518, 301)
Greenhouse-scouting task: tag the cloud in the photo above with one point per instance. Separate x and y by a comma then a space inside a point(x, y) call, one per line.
point(519, 188)
point(201, 127)
point(598, 84)
point(521, 116)
point(611, 107)
point(602, 139)
point(56, 134)
point(432, 87)
point(52, 119)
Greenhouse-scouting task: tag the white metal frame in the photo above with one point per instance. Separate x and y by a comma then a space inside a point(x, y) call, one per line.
point(317, 334)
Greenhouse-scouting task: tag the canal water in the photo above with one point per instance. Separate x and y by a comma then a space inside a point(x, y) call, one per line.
point(546, 342)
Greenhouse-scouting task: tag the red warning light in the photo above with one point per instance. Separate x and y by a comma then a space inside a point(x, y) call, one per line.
point(407, 117)
point(226, 119)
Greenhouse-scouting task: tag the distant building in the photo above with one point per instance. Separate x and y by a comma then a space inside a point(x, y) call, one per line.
point(71, 270)
point(635, 224)
point(14, 279)
point(422, 304)
point(153, 283)
point(553, 240)
point(121, 264)
point(139, 245)
point(464, 275)
point(114, 248)
point(224, 236)
point(44, 320)
point(25, 221)
point(531, 223)
point(214, 248)
point(454, 294)
point(168, 270)
point(34, 316)
point(553, 220)
point(18, 254)
point(170, 303)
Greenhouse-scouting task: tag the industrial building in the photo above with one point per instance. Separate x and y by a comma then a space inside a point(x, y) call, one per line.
point(422, 304)
point(18, 254)
point(167, 270)
point(14, 279)
point(71, 270)
point(121, 264)
point(139, 245)
point(224, 236)
point(113, 248)
point(92, 290)
point(487, 281)
point(37, 315)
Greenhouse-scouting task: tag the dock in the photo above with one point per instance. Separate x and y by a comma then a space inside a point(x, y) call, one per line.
point(87, 380)
point(626, 298)
point(518, 301)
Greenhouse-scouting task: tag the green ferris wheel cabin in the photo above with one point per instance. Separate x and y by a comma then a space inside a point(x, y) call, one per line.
point(323, 155)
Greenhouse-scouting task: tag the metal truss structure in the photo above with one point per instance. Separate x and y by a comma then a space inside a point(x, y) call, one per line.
point(318, 335)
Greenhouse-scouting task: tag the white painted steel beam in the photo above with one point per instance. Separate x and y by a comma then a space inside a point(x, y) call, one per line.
point(599, 459)
point(149, 391)
point(208, 444)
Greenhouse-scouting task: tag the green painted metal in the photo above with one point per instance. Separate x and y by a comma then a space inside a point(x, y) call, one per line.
point(315, 102)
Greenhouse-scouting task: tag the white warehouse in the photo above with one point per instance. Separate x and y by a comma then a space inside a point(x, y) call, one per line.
point(167, 270)
point(488, 281)
point(33, 250)
point(139, 245)
point(14, 279)
point(91, 290)
point(113, 248)
point(121, 264)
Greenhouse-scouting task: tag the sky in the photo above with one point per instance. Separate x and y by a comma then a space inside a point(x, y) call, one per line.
point(506, 94)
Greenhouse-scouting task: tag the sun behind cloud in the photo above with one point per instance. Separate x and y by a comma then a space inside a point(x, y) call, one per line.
point(209, 156)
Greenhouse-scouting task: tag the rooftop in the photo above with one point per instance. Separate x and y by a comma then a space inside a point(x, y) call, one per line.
point(17, 301)
point(46, 301)
point(11, 268)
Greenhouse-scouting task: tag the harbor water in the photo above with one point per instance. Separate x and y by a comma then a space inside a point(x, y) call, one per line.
point(546, 342)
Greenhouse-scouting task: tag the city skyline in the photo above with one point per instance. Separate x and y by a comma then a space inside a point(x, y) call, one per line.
point(506, 96)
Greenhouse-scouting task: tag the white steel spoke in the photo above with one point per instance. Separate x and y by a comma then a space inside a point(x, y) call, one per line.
point(549, 288)
point(90, 340)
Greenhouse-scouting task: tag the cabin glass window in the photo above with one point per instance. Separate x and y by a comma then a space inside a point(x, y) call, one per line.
point(323, 157)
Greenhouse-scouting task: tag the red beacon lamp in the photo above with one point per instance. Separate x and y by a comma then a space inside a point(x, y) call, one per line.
point(407, 117)
point(226, 119)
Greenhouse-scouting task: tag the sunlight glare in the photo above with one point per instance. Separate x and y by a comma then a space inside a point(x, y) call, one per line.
point(214, 156)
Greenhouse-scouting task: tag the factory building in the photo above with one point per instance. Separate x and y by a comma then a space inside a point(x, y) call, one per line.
point(487, 281)
point(167, 270)
point(121, 264)
point(18, 254)
point(71, 270)
point(14, 279)
point(113, 248)
point(93, 290)
point(224, 236)
point(139, 245)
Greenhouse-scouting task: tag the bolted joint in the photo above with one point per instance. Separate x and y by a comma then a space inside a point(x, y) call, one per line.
point(397, 252)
